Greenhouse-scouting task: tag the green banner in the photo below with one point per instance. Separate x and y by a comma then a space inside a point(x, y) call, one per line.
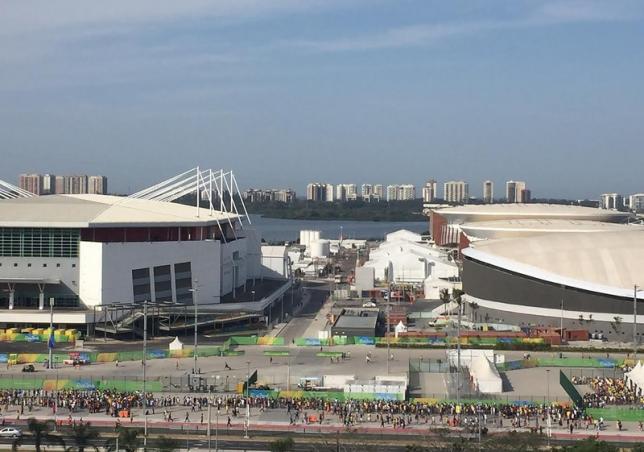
point(570, 389)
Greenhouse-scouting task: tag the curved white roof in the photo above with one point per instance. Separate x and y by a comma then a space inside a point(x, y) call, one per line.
point(610, 263)
point(533, 226)
point(96, 211)
point(491, 212)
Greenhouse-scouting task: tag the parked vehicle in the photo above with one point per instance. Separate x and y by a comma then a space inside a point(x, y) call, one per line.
point(10, 432)
point(28, 368)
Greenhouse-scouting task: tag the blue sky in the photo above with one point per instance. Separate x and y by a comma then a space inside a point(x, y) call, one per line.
point(368, 91)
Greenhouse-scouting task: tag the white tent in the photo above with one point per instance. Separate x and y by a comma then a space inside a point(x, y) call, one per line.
point(176, 344)
point(468, 356)
point(636, 377)
point(486, 376)
point(400, 328)
point(403, 234)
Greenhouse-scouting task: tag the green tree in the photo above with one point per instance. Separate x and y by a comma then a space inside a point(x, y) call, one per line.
point(128, 439)
point(41, 432)
point(166, 444)
point(282, 445)
point(591, 445)
point(83, 435)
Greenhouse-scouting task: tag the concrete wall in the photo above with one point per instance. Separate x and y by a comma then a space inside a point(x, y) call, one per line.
point(65, 269)
point(115, 262)
point(537, 297)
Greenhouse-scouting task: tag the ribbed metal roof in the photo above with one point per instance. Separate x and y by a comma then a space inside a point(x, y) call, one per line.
point(610, 262)
point(87, 211)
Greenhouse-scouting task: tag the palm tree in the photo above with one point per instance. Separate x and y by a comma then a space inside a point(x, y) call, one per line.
point(166, 444)
point(128, 440)
point(41, 432)
point(83, 436)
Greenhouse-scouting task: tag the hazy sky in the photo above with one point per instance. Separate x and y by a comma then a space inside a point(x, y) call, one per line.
point(290, 91)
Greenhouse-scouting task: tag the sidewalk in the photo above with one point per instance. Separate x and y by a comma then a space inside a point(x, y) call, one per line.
point(630, 433)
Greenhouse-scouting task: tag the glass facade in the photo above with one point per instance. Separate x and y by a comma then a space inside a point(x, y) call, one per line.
point(39, 242)
point(162, 283)
point(141, 284)
point(183, 281)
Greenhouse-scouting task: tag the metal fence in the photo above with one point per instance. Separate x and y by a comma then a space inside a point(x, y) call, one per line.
point(428, 365)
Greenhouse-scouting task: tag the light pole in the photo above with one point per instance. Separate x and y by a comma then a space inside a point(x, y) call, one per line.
point(288, 372)
point(548, 386)
point(388, 331)
point(209, 410)
point(145, 353)
point(247, 424)
point(635, 287)
point(51, 330)
point(194, 291)
point(563, 288)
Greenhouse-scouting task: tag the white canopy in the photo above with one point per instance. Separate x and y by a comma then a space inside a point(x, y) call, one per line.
point(176, 344)
point(636, 376)
point(486, 376)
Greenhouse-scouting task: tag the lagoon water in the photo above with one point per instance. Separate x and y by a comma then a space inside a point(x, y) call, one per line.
point(278, 230)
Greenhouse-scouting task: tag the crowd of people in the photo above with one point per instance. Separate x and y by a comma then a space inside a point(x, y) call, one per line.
point(609, 391)
point(397, 414)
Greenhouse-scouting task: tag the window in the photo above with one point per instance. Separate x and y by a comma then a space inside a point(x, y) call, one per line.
point(44, 265)
point(28, 265)
point(57, 265)
point(15, 264)
point(162, 283)
point(183, 281)
point(39, 242)
point(141, 284)
point(73, 265)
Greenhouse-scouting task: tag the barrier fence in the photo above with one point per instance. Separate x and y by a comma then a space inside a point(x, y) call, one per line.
point(590, 363)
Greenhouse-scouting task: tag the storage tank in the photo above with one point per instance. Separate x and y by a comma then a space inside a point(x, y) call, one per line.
point(320, 248)
point(308, 236)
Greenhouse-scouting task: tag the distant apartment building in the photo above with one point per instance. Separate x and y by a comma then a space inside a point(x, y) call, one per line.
point(97, 185)
point(76, 184)
point(488, 192)
point(404, 192)
point(636, 202)
point(516, 192)
point(329, 193)
point(346, 192)
point(378, 192)
point(32, 183)
point(456, 192)
point(371, 192)
point(430, 192)
point(285, 195)
point(612, 201)
point(316, 191)
point(254, 195)
point(59, 185)
point(49, 184)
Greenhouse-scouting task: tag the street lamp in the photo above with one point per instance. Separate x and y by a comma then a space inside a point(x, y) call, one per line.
point(548, 385)
point(247, 425)
point(194, 291)
point(145, 353)
point(635, 287)
point(51, 330)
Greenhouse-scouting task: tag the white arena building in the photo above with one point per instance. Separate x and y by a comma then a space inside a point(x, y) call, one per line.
point(505, 219)
point(89, 252)
point(581, 280)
